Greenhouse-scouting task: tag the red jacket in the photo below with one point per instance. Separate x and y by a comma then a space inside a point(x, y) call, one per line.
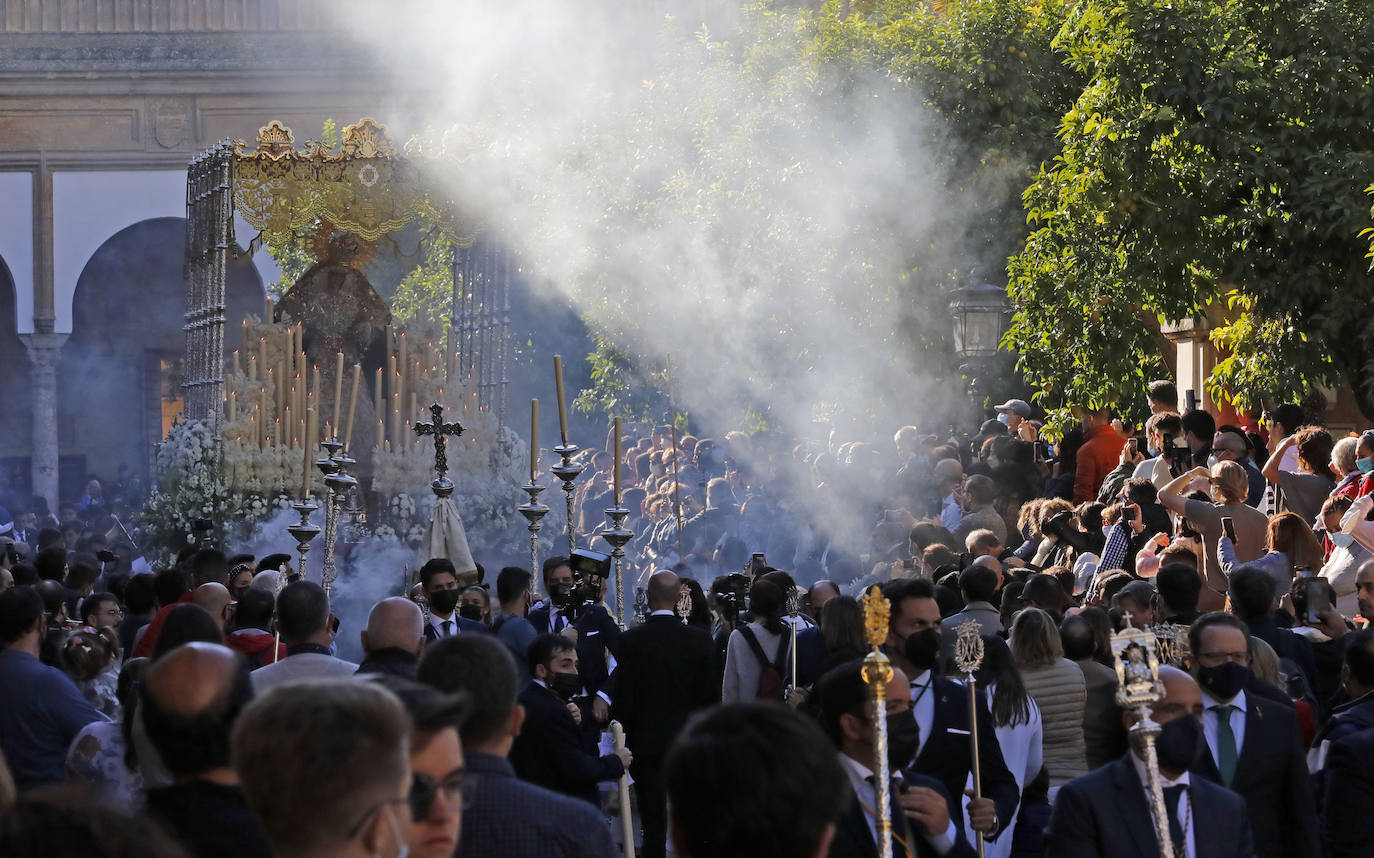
point(1098, 457)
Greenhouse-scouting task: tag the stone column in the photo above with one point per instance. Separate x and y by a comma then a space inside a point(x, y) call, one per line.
point(44, 349)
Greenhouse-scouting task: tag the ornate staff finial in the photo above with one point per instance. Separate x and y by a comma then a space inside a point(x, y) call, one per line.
point(877, 672)
point(683, 608)
point(1138, 688)
point(876, 616)
point(968, 646)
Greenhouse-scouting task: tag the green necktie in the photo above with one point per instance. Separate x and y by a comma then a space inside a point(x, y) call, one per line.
point(1226, 744)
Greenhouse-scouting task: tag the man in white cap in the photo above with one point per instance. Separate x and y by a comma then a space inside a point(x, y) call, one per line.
point(1016, 414)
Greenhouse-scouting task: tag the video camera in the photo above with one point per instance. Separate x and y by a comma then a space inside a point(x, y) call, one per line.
point(732, 597)
point(590, 571)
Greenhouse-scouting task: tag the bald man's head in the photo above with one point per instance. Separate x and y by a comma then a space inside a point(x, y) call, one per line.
point(190, 699)
point(215, 599)
point(395, 623)
point(663, 591)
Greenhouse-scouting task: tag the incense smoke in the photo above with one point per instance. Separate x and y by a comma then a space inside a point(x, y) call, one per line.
point(701, 194)
point(777, 226)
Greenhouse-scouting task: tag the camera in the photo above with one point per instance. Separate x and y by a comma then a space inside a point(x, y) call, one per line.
point(590, 570)
point(732, 597)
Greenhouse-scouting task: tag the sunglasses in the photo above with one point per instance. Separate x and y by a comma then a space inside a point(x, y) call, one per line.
point(456, 789)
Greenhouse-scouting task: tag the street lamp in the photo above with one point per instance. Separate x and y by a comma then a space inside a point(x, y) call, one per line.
point(980, 316)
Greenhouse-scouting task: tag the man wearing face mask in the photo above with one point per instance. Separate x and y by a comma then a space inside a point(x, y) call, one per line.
point(920, 812)
point(1254, 744)
point(510, 624)
point(551, 750)
point(1106, 813)
point(439, 580)
point(941, 710)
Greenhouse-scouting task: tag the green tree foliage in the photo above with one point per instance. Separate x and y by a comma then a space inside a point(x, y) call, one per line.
point(1215, 160)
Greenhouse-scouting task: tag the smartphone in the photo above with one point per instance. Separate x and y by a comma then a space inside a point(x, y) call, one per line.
point(757, 563)
point(1318, 597)
point(1228, 527)
point(1190, 399)
point(1128, 513)
point(1134, 444)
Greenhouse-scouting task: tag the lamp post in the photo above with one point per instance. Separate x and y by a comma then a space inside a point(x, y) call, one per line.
point(980, 312)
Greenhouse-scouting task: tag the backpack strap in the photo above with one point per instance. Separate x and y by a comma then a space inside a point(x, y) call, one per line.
point(749, 638)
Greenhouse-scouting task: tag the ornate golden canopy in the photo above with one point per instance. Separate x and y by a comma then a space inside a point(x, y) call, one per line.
point(364, 186)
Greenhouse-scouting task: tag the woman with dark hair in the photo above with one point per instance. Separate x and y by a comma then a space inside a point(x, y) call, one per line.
point(1016, 720)
point(756, 655)
point(842, 631)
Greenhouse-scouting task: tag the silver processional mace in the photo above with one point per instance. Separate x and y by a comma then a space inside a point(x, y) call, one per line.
point(534, 513)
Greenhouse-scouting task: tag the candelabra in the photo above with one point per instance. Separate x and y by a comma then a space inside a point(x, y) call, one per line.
point(568, 472)
point(617, 535)
point(304, 530)
point(339, 482)
point(534, 512)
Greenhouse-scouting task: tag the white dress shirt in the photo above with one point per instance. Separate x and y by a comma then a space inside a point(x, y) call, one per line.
point(438, 623)
point(923, 706)
point(1209, 723)
point(868, 797)
point(1185, 804)
point(663, 612)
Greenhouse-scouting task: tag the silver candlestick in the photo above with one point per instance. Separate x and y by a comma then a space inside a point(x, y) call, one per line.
point(304, 530)
point(534, 512)
point(568, 472)
point(617, 535)
point(334, 465)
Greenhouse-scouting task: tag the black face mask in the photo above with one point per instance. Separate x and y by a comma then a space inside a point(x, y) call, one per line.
point(1224, 681)
point(1179, 743)
point(922, 649)
point(565, 685)
point(444, 601)
point(470, 611)
point(903, 738)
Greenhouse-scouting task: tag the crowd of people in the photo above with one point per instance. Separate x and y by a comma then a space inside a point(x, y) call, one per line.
point(203, 709)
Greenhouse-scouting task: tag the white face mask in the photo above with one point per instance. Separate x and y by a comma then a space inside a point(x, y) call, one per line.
point(1342, 540)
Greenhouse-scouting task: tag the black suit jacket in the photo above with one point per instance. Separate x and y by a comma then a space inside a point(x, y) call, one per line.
point(1104, 814)
point(1349, 825)
point(664, 674)
point(854, 840)
point(810, 656)
point(597, 634)
point(947, 754)
point(1271, 775)
point(464, 626)
point(551, 751)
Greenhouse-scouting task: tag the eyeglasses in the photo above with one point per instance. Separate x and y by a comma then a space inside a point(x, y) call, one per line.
point(456, 789)
point(373, 811)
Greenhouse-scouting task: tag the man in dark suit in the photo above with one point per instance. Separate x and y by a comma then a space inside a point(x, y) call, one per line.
point(1349, 826)
point(1106, 813)
point(920, 814)
point(504, 815)
point(1254, 745)
point(439, 581)
point(941, 707)
point(663, 676)
point(598, 635)
point(551, 751)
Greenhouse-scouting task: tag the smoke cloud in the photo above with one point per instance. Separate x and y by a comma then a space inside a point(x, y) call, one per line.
point(779, 226)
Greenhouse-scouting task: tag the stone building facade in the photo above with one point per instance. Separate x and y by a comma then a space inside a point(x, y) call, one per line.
point(105, 103)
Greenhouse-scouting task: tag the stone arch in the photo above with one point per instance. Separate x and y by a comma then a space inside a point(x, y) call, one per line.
point(16, 420)
point(127, 342)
